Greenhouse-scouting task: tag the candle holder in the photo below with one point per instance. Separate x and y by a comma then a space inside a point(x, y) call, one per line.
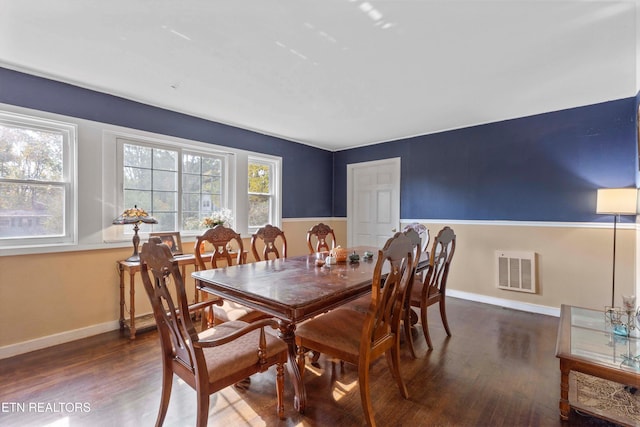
point(624, 320)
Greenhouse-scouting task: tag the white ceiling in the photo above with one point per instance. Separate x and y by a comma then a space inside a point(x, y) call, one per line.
point(333, 73)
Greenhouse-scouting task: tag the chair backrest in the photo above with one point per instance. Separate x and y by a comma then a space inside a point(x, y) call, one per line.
point(320, 232)
point(422, 231)
point(415, 238)
point(416, 242)
point(391, 276)
point(442, 251)
point(177, 333)
point(219, 237)
point(268, 235)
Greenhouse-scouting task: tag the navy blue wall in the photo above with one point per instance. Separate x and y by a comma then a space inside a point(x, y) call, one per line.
point(301, 163)
point(540, 168)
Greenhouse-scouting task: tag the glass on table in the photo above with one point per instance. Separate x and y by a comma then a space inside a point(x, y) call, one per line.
point(320, 258)
point(629, 303)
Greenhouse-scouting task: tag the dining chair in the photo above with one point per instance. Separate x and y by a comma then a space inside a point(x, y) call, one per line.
point(433, 288)
point(223, 241)
point(214, 358)
point(360, 338)
point(319, 233)
point(269, 235)
point(415, 236)
point(362, 304)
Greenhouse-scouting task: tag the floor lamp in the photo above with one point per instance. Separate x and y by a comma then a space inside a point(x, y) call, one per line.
point(616, 202)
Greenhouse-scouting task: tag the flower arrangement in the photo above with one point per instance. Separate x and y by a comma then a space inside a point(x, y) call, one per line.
point(221, 217)
point(419, 228)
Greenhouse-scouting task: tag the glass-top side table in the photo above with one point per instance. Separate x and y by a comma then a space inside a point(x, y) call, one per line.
point(586, 343)
point(593, 338)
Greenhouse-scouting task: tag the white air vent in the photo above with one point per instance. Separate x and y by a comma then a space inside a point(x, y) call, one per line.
point(516, 270)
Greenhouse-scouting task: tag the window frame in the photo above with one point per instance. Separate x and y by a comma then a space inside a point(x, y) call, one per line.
point(180, 149)
point(68, 182)
point(274, 165)
point(225, 197)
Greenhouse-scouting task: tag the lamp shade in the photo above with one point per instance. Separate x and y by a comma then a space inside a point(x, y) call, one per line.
point(135, 216)
point(617, 201)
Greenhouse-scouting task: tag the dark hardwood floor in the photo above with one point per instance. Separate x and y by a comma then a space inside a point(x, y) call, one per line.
point(498, 369)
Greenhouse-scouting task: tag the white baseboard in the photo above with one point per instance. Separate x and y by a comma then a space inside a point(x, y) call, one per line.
point(501, 302)
point(55, 339)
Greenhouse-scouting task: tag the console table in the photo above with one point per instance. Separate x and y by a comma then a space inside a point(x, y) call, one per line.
point(134, 323)
point(142, 322)
point(587, 344)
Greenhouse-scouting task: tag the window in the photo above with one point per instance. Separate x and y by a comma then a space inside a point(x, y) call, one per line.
point(151, 182)
point(178, 187)
point(37, 181)
point(202, 188)
point(262, 206)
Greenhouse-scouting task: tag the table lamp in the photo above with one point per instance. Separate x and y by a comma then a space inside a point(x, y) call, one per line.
point(616, 202)
point(135, 216)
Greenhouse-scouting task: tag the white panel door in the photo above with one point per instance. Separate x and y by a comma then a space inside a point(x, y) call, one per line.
point(373, 202)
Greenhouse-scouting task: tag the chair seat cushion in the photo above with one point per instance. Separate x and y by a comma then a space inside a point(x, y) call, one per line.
point(239, 354)
point(230, 311)
point(416, 292)
point(342, 328)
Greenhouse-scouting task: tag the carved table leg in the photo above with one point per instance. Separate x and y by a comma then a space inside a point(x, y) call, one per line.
point(132, 305)
point(564, 390)
point(413, 316)
point(121, 270)
point(287, 334)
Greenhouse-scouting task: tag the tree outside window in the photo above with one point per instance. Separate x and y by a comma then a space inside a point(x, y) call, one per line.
point(260, 193)
point(35, 179)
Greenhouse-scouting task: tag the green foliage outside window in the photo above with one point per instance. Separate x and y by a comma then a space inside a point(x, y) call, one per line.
point(31, 182)
point(259, 194)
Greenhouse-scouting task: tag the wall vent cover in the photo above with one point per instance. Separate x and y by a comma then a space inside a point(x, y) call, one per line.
point(516, 270)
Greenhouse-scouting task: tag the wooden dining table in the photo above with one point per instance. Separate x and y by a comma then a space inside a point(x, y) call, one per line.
point(292, 290)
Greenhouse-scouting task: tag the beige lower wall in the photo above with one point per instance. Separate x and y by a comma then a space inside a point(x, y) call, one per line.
point(574, 263)
point(60, 293)
point(55, 294)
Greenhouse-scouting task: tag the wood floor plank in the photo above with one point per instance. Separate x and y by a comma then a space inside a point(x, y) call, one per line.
point(498, 369)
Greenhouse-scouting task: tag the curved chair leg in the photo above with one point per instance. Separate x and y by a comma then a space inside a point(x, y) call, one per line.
point(425, 325)
point(393, 359)
point(167, 383)
point(363, 382)
point(408, 336)
point(203, 408)
point(280, 389)
point(443, 316)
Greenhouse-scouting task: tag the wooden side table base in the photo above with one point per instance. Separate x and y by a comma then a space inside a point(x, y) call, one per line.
point(133, 323)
